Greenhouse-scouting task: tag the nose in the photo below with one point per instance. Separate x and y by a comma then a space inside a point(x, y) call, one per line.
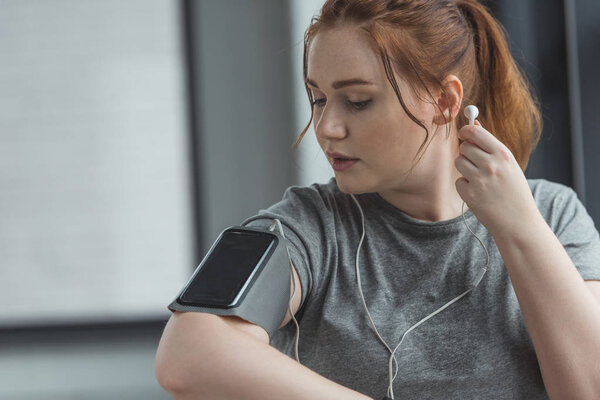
point(330, 125)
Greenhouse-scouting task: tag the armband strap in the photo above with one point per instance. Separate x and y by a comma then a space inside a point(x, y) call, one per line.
point(266, 298)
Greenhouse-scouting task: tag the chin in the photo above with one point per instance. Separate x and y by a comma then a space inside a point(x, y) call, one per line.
point(351, 184)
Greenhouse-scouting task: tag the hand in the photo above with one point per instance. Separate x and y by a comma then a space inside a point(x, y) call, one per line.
point(493, 184)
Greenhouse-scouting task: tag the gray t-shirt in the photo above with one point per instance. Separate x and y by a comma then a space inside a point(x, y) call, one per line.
point(478, 348)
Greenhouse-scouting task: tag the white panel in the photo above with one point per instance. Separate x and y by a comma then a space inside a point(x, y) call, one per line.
point(95, 219)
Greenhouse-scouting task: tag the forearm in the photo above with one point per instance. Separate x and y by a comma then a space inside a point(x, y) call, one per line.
point(226, 363)
point(561, 314)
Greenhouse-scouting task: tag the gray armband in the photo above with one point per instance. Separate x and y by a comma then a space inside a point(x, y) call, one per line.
point(245, 273)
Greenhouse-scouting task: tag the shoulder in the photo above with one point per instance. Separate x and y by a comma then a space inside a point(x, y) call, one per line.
point(322, 196)
point(550, 195)
point(559, 204)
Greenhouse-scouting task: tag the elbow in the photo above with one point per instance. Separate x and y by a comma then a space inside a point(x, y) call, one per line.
point(178, 382)
point(182, 364)
point(176, 379)
point(166, 375)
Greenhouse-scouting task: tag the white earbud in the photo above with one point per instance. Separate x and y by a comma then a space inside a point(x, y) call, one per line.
point(471, 112)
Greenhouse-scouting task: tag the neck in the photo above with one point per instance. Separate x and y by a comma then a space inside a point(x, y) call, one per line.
point(438, 199)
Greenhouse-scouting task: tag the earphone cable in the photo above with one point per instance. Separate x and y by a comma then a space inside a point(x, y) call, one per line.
point(276, 221)
point(390, 391)
point(391, 378)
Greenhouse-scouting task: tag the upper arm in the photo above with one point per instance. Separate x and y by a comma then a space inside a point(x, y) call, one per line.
point(296, 300)
point(182, 349)
point(182, 346)
point(255, 331)
point(594, 287)
point(258, 331)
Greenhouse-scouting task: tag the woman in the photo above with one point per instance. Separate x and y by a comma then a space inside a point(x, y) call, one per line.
point(388, 81)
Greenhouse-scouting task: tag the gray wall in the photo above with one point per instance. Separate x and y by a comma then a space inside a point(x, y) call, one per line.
point(538, 33)
point(242, 121)
point(245, 108)
point(93, 188)
point(588, 35)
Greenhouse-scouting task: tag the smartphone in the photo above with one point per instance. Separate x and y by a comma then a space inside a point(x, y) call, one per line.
point(226, 273)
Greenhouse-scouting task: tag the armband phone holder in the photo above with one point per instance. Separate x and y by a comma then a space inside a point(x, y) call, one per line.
point(245, 273)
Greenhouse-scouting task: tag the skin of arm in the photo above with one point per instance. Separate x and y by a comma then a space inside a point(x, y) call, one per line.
point(205, 356)
point(561, 313)
point(201, 356)
point(560, 309)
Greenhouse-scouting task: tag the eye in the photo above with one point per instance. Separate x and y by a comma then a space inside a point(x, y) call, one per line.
point(319, 102)
point(359, 105)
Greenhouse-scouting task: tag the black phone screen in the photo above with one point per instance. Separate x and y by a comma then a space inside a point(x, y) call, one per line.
point(224, 272)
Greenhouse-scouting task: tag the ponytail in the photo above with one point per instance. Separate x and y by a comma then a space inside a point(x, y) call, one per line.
point(507, 105)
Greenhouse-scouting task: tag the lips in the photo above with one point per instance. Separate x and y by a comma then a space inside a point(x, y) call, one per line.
point(340, 161)
point(340, 156)
point(342, 165)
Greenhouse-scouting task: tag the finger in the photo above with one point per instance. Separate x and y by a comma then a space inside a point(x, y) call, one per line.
point(480, 137)
point(462, 185)
point(474, 154)
point(465, 167)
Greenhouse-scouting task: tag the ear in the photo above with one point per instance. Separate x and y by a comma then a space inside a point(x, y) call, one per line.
point(448, 101)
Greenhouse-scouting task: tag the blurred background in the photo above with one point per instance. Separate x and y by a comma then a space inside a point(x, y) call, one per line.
point(132, 132)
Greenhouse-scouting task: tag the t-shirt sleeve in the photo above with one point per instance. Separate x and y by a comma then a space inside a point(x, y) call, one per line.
point(576, 231)
point(301, 213)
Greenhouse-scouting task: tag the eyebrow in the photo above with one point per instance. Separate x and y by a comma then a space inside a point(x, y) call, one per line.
point(344, 83)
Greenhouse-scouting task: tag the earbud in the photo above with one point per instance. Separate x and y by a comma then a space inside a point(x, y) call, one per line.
point(471, 112)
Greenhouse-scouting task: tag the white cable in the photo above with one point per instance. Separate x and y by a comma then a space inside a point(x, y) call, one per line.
point(276, 221)
point(361, 293)
point(390, 391)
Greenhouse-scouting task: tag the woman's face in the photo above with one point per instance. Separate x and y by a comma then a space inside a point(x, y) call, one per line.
point(357, 113)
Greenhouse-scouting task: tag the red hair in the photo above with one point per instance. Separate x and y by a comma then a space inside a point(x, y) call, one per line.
point(427, 40)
